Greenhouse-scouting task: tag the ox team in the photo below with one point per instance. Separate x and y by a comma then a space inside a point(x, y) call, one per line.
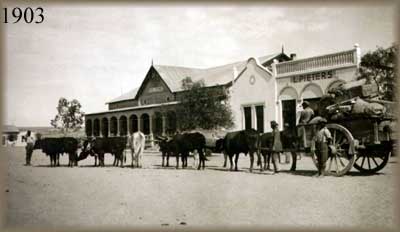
point(182, 144)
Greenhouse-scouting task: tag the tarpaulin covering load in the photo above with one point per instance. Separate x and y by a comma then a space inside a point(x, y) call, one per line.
point(368, 108)
point(356, 107)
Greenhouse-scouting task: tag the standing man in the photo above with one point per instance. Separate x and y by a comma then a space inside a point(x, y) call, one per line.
point(30, 142)
point(276, 145)
point(305, 116)
point(322, 139)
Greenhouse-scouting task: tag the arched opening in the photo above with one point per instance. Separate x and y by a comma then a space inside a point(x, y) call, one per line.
point(145, 119)
point(113, 126)
point(334, 85)
point(134, 126)
point(104, 127)
point(171, 125)
point(88, 128)
point(158, 123)
point(288, 97)
point(123, 126)
point(96, 127)
point(312, 93)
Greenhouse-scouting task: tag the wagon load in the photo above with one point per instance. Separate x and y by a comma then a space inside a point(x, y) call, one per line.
point(357, 107)
point(359, 88)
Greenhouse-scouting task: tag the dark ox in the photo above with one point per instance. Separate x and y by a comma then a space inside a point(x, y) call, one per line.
point(167, 147)
point(234, 143)
point(97, 147)
point(289, 144)
point(54, 147)
point(182, 145)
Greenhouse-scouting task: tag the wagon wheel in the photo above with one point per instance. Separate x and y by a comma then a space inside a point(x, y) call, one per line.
point(370, 162)
point(339, 160)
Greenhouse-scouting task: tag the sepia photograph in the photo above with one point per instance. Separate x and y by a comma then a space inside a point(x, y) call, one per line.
point(178, 116)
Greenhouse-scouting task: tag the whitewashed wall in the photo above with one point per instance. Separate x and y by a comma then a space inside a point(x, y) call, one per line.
point(262, 91)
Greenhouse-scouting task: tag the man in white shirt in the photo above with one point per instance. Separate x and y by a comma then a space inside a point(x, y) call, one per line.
point(30, 142)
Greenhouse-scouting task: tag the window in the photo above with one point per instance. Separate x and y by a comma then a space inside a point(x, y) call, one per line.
point(247, 118)
point(260, 118)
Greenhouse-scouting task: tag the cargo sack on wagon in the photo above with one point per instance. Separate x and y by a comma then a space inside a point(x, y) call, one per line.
point(361, 107)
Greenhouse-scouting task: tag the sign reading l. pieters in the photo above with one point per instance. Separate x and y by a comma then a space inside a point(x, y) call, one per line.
point(313, 76)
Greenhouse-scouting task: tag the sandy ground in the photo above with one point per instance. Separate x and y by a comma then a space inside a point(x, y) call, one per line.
point(86, 196)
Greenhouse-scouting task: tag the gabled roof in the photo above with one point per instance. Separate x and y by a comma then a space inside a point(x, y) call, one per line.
point(173, 75)
point(222, 75)
point(10, 129)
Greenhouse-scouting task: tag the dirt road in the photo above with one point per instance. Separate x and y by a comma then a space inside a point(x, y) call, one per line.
point(153, 196)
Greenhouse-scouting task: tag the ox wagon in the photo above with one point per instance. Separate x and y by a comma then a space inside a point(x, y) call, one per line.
point(363, 141)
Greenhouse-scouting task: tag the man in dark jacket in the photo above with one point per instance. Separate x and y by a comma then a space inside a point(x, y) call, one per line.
point(322, 139)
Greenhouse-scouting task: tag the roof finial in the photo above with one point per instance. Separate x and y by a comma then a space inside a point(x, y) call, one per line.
point(283, 48)
point(151, 61)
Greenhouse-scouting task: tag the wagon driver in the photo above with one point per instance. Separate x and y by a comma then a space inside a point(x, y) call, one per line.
point(305, 116)
point(322, 139)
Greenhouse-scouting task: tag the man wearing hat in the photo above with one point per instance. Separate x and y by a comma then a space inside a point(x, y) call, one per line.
point(305, 116)
point(276, 145)
point(322, 139)
point(29, 147)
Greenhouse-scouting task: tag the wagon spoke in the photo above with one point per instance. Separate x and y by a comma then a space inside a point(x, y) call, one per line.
point(369, 164)
point(330, 163)
point(338, 140)
point(342, 142)
point(362, 162)
point(381, 157)
point(358, 158)
point(373, 159)
point(334, 136)
point(341, 162)
point(337, 166)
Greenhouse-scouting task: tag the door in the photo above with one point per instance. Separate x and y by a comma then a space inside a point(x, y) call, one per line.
point(289, 114)
point(247, 118)
point(260, 118)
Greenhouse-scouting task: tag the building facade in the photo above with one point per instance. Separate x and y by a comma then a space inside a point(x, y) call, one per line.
point(261, 90)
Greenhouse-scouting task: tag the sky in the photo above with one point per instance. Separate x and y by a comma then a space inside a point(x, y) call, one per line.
point(94, 53)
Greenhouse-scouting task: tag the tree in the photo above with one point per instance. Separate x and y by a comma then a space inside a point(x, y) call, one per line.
point(203, 107)
point(380, 66)
point(69, 116)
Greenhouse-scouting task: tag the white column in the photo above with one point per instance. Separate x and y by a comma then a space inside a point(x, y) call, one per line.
point(128, 125)
point(163, 124)
point(118, 127)
point(243, 118)
point(100, 128)
point(151, 116)
point(139, 124)
point(253, 117)
point(109, 127)
point(274, 71)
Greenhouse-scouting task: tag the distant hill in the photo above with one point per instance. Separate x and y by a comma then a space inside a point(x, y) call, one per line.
point(52, 132)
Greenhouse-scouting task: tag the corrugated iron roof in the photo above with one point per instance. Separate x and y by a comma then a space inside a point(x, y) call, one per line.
point(173, 75)
point(222, 75)
point(126, 96)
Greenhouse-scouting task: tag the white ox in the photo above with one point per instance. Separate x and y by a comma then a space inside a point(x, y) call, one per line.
point(136, 143)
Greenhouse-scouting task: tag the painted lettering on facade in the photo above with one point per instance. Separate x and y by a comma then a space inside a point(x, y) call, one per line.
point(156, 89)
point(313, 76)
